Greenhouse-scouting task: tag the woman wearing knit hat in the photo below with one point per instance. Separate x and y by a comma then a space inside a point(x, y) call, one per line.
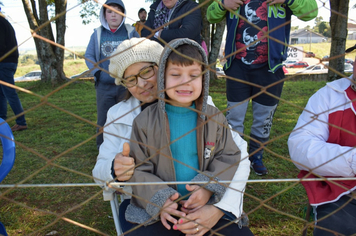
point(134, 65)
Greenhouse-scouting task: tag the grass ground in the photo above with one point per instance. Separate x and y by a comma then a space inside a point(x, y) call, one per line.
point(59, 147)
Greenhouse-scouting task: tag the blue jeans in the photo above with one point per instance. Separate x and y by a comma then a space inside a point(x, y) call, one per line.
point(7, 71)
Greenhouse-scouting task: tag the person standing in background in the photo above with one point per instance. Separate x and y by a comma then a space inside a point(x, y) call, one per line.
point(256, 61)
point(8, 66)
point(164, 11)
point(142, 15)
point(102, 44)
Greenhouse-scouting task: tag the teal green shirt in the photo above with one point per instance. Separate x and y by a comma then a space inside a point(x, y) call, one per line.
point(183, 146)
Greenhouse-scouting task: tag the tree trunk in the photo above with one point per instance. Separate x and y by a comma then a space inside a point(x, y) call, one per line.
point(212, 34)
point(206, 25)
point(217, 32)
point(338, 25)
point(49, 55)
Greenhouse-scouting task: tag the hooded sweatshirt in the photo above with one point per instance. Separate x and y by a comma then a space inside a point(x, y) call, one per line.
point(320, 146)
point(103, 43)
point(218, 155)
point(7, 42)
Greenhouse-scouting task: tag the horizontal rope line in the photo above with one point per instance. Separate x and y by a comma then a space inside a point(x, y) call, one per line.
point(118, 184)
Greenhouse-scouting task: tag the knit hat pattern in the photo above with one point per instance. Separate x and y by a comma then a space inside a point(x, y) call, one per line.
point(132, 51)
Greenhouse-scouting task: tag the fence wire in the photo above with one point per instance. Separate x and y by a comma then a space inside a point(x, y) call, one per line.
point(51, 191)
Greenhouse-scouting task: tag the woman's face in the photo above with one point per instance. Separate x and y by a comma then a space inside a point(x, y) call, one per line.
point(169, 3)
point(145, 90)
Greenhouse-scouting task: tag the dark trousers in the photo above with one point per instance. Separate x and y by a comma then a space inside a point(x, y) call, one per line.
point(125, 225)
point(107, 95)
point(264, 105)
point(342, 219)
point(7, 94)
point(158, 229)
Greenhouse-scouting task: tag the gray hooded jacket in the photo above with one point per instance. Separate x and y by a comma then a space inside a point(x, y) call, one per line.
point(218, 154)
point(99, 49)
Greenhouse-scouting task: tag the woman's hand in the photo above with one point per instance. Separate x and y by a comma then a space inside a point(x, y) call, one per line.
point(124, 166)
point(272, 2)
point(233, 4)
point(170, 208)
point(197, 200)
point(200, 221)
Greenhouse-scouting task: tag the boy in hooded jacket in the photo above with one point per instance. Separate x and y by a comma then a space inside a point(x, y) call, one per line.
point(102, 44)
point(180, 138)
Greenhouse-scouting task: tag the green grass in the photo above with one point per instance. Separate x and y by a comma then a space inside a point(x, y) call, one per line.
point(60, 148)
point(71, 67)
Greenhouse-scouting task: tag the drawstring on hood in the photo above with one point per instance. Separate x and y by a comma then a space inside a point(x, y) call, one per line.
point(103, 22)
point(201, 103)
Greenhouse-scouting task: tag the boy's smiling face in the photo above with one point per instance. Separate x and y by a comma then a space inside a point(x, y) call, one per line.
point(114, 19)
point(183, 83)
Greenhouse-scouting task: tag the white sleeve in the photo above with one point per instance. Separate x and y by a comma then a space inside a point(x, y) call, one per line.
point(114, 135)
point(308, 146)
point(232, 200)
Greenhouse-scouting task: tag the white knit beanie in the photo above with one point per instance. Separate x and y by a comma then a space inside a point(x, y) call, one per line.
point(131, 51)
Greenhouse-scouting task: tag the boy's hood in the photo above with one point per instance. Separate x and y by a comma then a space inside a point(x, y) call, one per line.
point(201, 102)
point(103, 22)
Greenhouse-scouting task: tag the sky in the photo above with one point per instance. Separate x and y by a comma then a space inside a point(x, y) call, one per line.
point(78, 34)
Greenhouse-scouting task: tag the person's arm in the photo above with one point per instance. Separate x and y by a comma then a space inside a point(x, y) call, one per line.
point(308, 146)
point(232, 200)
point(114, 138)
point(90, 54)
point(225, 160)
point(304, 9)
point(208, 216)
point(150, 197)
point(216, 12)
point(190, 27)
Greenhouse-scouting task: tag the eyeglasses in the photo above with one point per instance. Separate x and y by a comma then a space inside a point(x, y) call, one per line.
point(145, 73)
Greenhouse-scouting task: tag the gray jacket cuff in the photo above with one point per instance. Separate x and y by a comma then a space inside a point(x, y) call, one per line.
point(158, 200)
point(216, 188)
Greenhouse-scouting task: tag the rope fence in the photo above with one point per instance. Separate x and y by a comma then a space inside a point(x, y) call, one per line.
point(51, 191)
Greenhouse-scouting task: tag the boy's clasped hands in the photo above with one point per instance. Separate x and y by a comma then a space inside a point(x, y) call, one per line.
point(171, 210)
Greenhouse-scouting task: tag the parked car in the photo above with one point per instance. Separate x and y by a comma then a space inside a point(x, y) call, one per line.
point(348, 68)
point(31, 76)
point(298, 64)
point(220, 71)
point(83, 75)
point(309, 54)
point(286, 63)
point(285, 70)
point(326, 57)
point(350, 61)
point(313, 69)
point(323, 68)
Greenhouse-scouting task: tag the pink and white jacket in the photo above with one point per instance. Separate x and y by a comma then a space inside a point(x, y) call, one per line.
point(323, 143)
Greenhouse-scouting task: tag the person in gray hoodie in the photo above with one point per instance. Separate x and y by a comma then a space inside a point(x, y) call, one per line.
point(102, 44)
point(181, 138)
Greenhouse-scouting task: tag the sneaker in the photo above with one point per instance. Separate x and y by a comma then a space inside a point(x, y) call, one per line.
point(257, 165)
point(18, 127)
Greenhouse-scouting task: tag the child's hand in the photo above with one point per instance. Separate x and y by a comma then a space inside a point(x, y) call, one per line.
point(197, 200)
point(170, 208)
